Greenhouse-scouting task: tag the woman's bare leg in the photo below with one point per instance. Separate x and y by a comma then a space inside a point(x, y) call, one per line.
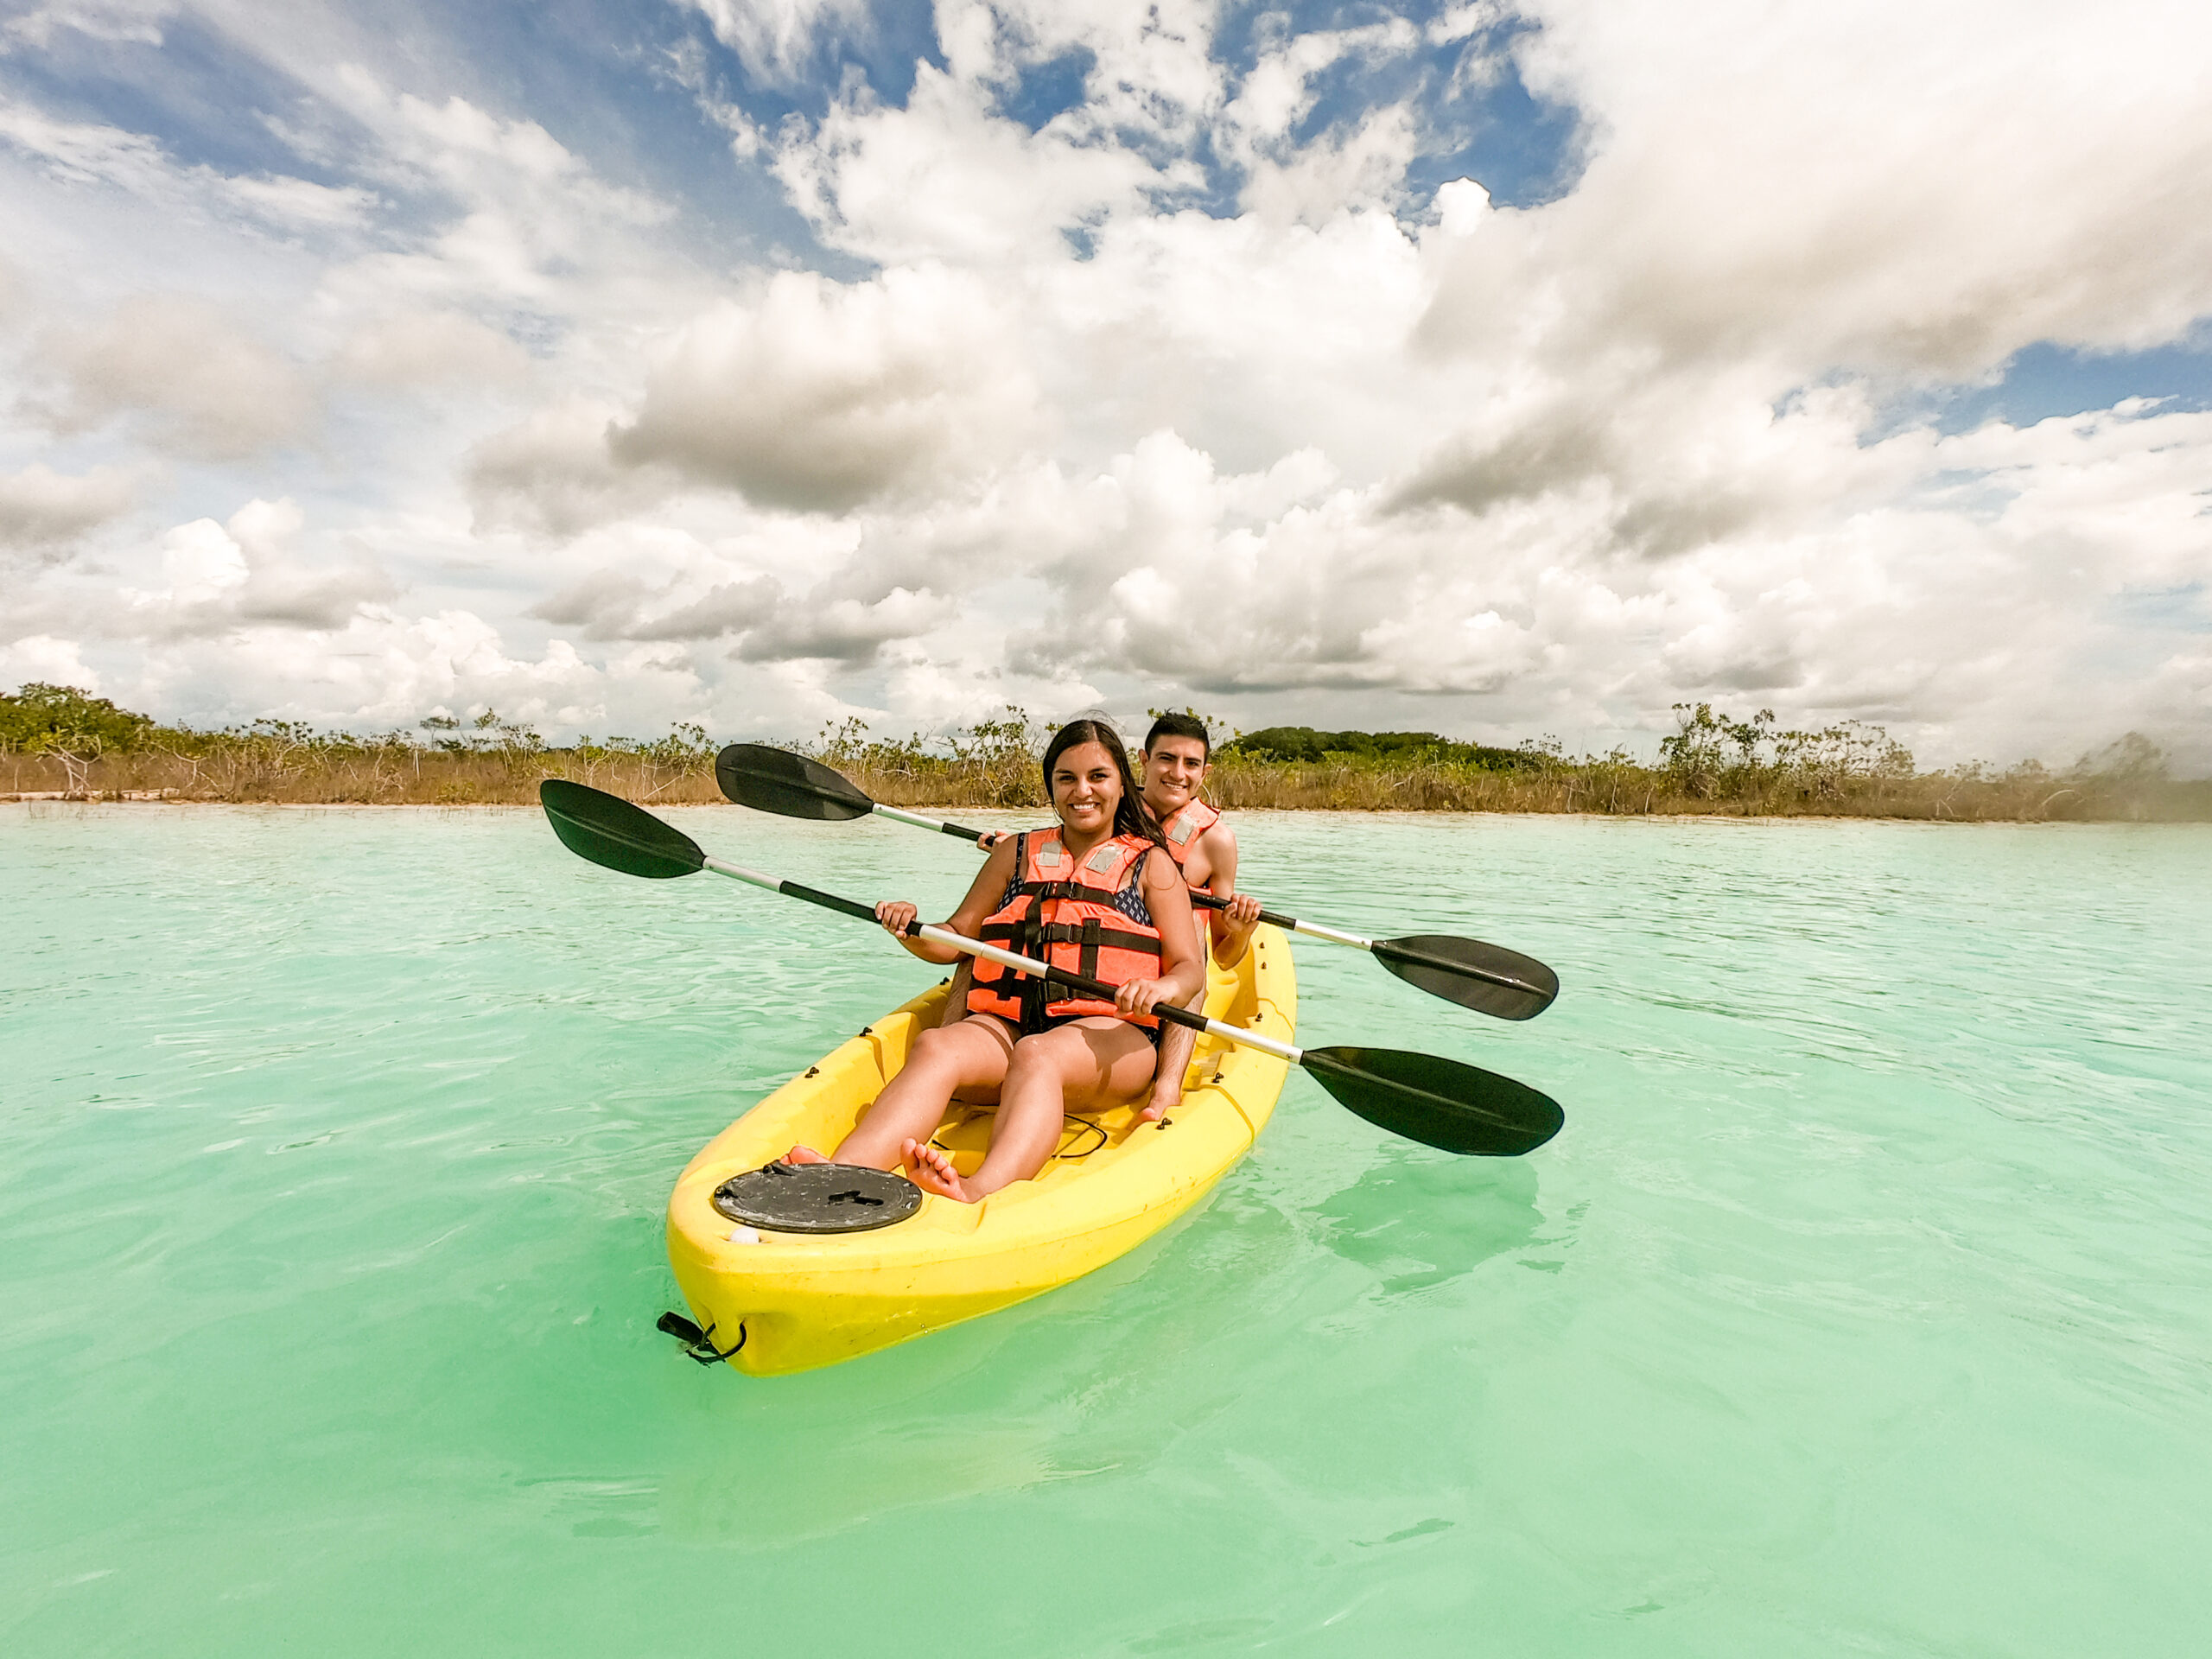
point(955, 1010)
point(1085, 1066)
point(956, 997)
point(971, 1054)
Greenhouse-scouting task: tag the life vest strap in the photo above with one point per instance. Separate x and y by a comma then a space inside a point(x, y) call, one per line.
point(1092, 933)
point(1041, 891)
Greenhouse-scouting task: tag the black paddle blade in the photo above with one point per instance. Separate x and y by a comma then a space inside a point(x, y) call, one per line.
point(1439, 1103)
point(607, 829)
point(1467, 971)
point(789, 786)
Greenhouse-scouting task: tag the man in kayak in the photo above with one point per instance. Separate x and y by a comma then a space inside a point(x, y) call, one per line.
point(1088, 896)
point(1176, 757)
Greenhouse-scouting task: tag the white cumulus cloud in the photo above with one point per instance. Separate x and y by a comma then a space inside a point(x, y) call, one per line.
point(41, 508)
point(823, 396)
point(196, 385)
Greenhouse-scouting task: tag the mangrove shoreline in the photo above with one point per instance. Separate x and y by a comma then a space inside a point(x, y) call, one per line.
point(58, 744)
point(1624, 789)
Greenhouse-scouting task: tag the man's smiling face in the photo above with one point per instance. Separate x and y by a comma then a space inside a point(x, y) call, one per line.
point(1173, 769)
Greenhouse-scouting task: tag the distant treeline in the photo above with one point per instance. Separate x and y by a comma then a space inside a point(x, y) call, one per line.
point(58, 742)
point(1304, 743)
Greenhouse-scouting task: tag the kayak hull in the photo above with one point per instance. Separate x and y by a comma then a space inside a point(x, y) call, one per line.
point(800, 1301)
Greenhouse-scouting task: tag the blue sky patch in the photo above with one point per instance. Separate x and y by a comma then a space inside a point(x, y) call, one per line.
point(1049, 89)
point(196, 94)
point(2045, 380)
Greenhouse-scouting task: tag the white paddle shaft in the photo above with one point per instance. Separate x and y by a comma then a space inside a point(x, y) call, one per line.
point(1030, 965)
point(915, 818)
point(937, 934)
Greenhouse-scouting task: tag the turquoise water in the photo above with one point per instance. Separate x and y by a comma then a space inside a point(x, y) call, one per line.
point(1861, 1307)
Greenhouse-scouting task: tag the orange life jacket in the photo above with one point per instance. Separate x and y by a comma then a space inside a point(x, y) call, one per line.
point(1088, 918)
point(1190, 820)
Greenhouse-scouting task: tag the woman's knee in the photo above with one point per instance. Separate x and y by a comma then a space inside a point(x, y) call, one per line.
point(939, 1046)
point(1041, 1050)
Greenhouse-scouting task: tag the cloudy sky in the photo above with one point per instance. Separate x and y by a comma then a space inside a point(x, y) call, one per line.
point(1481, 368)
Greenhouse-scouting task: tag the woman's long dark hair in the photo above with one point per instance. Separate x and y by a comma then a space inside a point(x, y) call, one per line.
point(1131, 816)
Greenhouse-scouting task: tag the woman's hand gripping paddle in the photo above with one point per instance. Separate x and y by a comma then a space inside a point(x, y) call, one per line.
point(1439, 1103)
point(1487, 978)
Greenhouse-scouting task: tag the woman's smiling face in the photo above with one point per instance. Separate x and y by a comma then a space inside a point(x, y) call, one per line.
point(1086, 788)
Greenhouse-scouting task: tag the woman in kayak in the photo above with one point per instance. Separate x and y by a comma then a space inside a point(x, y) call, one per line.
point(1089, 896)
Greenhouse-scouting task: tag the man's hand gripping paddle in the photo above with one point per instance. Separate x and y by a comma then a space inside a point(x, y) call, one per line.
point(1487, 978)
point(1439, 1103)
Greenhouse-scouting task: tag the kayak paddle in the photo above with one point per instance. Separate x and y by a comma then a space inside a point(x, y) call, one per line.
point(1439, 1103)
point(1487, 978)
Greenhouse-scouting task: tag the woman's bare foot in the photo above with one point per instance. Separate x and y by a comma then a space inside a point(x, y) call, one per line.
point(803, 1156)
point(931, 1170)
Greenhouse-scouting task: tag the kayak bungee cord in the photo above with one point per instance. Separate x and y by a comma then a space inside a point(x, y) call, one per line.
point(699, 1345)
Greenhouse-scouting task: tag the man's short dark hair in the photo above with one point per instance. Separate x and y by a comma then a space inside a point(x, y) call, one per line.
point(1178, 726)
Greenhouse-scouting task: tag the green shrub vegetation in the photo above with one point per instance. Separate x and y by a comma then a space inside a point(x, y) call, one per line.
point(1304, 743)
point(59, 742)
point(41, 719)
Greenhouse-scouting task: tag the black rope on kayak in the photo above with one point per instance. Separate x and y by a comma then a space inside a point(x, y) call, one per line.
point(1067, 1122)
point(1067, 1152)
point(699, 1345)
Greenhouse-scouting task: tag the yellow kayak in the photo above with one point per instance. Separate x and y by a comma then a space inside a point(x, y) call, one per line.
point(794, 1301)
